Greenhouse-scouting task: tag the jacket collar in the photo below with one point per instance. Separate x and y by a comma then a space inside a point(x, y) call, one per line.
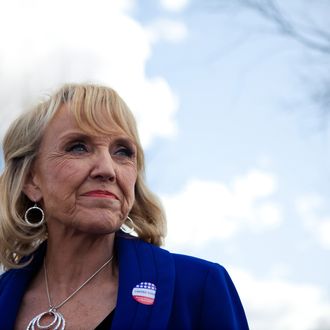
point(138, 262)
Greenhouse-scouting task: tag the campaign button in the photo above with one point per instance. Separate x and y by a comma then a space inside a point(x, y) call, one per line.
point(144, 293)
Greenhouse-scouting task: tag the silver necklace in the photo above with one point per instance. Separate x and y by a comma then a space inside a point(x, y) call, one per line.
point(57, 322)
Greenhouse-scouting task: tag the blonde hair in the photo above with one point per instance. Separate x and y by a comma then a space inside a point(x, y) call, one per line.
point(94, 107)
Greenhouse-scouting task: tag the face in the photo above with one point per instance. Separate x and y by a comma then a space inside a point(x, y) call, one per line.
point(84, 182)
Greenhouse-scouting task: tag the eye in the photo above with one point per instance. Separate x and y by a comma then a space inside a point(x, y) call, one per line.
point(124, 151)
point(77, 148)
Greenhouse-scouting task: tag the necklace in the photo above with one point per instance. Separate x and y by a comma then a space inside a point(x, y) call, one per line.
point(57, 322)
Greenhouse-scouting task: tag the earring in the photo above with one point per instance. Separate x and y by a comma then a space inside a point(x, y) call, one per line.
point(35, 213)
point(127, 229)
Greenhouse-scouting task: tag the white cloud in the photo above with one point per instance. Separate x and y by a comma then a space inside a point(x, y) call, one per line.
point(278, 304)
point(315, 215)
point(174, 5)
point(47, 43)
point(173, 31)
point(205, 210)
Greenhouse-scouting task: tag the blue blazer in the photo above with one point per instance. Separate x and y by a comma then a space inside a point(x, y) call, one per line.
point(191, 293)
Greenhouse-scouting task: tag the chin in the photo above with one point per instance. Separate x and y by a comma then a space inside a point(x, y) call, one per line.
point(96, 223)
point(99, 229)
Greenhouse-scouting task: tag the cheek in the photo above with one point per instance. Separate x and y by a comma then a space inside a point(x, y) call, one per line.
point(129, 180)
point(62, 178)
point(69, 171)
point(66, 168)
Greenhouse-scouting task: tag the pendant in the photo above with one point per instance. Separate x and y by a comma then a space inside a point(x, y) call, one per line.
point(57, 323)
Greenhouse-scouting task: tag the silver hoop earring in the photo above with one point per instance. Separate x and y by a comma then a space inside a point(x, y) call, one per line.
point(127, 229)
point(35, 213)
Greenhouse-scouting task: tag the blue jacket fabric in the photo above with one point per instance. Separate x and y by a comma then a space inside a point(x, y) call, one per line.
point(191, 293)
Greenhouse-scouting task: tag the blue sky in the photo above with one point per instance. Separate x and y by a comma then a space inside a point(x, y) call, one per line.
point(235, 148)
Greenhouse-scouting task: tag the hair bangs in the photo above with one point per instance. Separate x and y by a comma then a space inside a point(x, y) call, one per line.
point(98, 110)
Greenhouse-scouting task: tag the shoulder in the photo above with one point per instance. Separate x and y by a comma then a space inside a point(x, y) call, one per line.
point(186, 263)
point(191, 273)
point(199, 274)
point(206, 290)
point(7, 275)
point(16, 276)
point(6, 278)
point(182, 262)
point(192, 263)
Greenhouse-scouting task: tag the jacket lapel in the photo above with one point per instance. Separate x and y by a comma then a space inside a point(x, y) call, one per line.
point(141, 262)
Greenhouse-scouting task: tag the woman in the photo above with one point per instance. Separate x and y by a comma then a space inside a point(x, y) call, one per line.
point(73, 177)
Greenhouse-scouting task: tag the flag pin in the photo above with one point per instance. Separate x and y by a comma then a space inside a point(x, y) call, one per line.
point(144, 293)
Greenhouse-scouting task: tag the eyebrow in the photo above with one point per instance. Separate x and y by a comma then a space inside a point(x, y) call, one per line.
point(74, 135)
point(78, 134)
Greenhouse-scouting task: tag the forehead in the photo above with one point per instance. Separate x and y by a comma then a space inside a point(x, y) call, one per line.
point(66, 120)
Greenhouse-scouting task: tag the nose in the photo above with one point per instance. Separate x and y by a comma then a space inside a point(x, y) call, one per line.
point(103, 167)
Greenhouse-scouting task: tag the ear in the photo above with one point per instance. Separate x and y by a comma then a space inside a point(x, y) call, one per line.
point(31, 187)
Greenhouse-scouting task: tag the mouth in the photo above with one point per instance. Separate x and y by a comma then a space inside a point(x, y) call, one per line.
point(101, 194)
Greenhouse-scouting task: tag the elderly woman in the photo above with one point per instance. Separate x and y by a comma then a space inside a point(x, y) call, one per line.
point(79, 229)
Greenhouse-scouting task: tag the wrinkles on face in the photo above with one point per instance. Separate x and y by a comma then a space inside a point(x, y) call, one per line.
point(71, 163)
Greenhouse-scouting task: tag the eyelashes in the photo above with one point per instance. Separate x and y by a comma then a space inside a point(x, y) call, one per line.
point(125, 151)
point(79, 148)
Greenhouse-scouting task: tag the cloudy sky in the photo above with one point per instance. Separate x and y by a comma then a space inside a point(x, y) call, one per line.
point(236, 149)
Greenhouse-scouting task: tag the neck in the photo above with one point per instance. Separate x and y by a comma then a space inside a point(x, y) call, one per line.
point(70, 267)
point(72, 259)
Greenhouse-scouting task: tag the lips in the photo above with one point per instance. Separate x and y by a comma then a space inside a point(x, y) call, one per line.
point(101, 194)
